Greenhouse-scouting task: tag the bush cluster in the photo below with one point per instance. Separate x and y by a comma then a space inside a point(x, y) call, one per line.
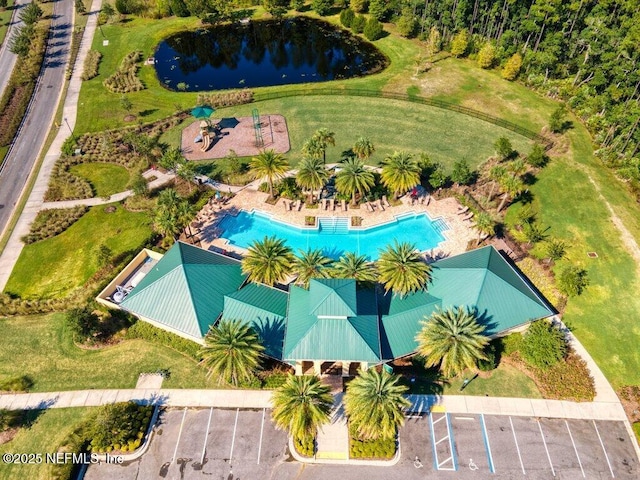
point(305, 446)
point(225, 99)
point(543, 345)
point(19, 90)
point(16, 384)
point(51, 222)
point(146, 331)
point(119, 427)
point(63, 185)
point(125, 79)
point(91, 64)
point(568, 380)
point(380, 449)
point(76, 40)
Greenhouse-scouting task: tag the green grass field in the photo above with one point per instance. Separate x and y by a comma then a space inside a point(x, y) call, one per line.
point(5, 18)
point(504, 381)
point(42, 348)
point(56, 266)
point(105, 178)
point(49, 429)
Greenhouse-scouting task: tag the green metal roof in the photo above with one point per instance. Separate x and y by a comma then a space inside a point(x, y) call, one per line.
point(310, 336)
point(185, 290)
point(333, 297)
point(265, 309)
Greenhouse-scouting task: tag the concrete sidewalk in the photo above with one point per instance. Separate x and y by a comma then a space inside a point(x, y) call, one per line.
point(262, 399)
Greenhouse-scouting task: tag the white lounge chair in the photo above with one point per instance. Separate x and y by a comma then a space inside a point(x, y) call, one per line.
point(344, 205)
point(332, 204)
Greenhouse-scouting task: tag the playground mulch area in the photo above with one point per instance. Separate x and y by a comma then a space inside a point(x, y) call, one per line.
point(237, 134)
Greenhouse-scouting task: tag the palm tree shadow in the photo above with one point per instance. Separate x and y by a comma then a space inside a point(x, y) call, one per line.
point(271, 333)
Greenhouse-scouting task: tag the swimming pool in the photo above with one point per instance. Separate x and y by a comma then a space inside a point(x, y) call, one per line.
point(333, 235)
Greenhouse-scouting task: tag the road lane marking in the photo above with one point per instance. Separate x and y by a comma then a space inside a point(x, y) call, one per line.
point(575, 449)
point(233, 439)
point(261, 431)
point(517, 447)
point(546, 448)
point(487, 445)
point(175, 451)
point(603, 449)
point(206, 435)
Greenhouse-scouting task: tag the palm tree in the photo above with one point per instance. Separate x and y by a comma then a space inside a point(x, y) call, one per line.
point(166, 223)
point(310, 264)
point(269, 164)
point(268, 261)
point(400, 172)
point(185, 213)
point(354, 178)
point(496, 174)
point(325, 137)
point(512, 187)
point(554, 249)
point(301, 405)
point(363, 148)
point(186, 171)
point(313, 148)
point(484, 225)
point(311, 174)
point(231, 352)
point(354, 266)
point(375, 404)
point(452, 338)
point(401, 268)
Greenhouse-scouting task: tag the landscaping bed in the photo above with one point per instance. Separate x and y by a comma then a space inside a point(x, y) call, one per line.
point(379, 449)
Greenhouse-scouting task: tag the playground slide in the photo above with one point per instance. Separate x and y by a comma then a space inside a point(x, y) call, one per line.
point(206, 143)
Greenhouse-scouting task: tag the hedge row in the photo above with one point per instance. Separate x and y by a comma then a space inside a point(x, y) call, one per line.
point(91, 63)
point(52, 222)
point(125, 79)
point(225, 99)
point(63, 185)
point(17, 94)
point(305, 446)
point(380, 449)
point(119, 427)
point(76, 40)
point(146, 331)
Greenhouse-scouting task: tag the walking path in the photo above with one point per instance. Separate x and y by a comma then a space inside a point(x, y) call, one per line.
point(262, 399)
point(14, 246)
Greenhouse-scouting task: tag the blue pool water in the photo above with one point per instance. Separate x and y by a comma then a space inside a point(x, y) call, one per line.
point(333, 234)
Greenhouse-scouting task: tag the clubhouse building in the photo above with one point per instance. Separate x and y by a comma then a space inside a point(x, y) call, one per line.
point(335, 325)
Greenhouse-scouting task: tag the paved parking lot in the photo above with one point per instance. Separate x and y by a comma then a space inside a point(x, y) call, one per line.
point(205, 443)
point(233, 444)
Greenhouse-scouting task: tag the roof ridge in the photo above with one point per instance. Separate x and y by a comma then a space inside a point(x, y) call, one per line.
point(135, 294)
point(377, 354)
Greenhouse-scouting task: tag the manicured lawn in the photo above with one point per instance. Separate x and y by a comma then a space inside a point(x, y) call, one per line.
point(504, 381)
point(391, 125)
point(49, 430)
point(41, 347)
point(5, 18)
point(605, 318)
point(54, 267)
point(105, 178)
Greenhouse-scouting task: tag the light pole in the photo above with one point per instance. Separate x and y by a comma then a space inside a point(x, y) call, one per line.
point(69, 127)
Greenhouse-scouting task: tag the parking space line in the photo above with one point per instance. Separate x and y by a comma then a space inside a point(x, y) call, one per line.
point(233, 439)
point(433, 442)
point(206, 435)
point(452, 447)
point(175, 450)
point(603, 449)
point(487, 446)
point(546, 448)
point(575, 449)
point(261, 431)
point(517, 446)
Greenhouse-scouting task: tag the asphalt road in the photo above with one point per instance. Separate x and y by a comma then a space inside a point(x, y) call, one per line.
point(8, 59)
point(19, 162)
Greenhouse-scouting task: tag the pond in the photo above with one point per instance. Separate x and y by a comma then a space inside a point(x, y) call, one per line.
point(263, 53)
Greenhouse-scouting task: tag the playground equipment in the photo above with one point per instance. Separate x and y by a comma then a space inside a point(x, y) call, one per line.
point(257, 128)
point(206, 138)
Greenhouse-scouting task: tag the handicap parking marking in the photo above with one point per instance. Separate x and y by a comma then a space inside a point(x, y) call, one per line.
point(444, 434)
point(487, 445)
point(575, 448)
point(470, 443)
point(604, 450)
point(545, 447)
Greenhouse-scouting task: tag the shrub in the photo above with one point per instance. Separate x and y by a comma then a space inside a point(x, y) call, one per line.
point(226, 99)
point(125, 79)
point(117, 425)
point(504, 148)
point(379, 9)
point(322, 7)
point(511, 343)
point(556, 121)
point(305, 446)
point(459, 44)
point(357, 26)
point(407, 23)
point(297, 5)
point(572, 281)
point(346, 17)
point(487, 55)
point(52, 222)
point(491, 362)
point(16, 384)
point(126, 7)
point(91, 64)
point(512, 67)
point(461, 173)
point(153, 334)
point(178, 8)
point(83, 323)
point(543, 345)
point(567, 380)
point(358, 6)
point(379, 449)
point(373, 29)
point(537, 157)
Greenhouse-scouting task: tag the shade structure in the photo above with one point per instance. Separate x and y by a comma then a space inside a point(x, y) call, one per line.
point(203, 111)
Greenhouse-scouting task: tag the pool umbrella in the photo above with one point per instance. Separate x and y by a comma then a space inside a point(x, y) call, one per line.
point(202, 112)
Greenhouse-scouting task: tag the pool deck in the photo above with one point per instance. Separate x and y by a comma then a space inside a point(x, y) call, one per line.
point(457, 237)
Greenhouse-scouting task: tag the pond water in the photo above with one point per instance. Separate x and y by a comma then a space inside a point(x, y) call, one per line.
point(263, 53)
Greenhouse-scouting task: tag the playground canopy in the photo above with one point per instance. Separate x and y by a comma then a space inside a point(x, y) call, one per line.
point(203, 111)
